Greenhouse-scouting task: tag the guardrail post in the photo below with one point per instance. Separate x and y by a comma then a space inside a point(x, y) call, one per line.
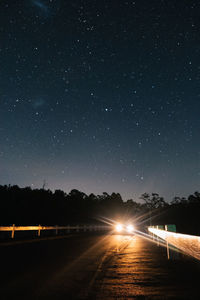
point(39, 228)
point(56, 229)
point(13, 232)
point(84, 228)
point(77, 228)
point(167, 243)
point(157, 237)
point(68, 229)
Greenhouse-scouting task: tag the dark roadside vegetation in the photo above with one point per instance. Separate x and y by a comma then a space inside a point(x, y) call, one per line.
point(26, 206)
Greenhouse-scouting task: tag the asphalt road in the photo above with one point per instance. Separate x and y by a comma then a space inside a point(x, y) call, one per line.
point(92, 266)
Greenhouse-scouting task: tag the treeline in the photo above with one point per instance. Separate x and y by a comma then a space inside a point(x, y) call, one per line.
point(26, 206)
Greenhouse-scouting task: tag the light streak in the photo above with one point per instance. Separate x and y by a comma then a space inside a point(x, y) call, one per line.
point(149, 238)
point(189, 244)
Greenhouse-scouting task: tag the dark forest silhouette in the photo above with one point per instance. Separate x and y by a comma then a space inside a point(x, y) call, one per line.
point(26, 206)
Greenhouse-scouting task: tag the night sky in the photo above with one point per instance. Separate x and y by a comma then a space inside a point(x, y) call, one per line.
point(101, 95)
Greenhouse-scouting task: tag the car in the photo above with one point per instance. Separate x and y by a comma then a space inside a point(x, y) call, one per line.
point(124, 228)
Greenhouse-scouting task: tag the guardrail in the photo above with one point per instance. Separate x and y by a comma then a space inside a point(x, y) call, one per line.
point(39, 228)
point(189, 244)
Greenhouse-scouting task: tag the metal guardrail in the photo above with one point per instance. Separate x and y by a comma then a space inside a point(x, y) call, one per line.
point(189, 244)
point(38, 228)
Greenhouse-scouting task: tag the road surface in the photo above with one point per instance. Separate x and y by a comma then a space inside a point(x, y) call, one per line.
point(94, 266)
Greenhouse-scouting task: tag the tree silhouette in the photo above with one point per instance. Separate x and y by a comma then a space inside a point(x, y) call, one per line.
point(26, 206)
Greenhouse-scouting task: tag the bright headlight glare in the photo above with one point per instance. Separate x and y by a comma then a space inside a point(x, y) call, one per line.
point(119, 227)
point(129, 228)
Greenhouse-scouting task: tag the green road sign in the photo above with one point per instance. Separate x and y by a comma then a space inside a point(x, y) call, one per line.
point(170, 227)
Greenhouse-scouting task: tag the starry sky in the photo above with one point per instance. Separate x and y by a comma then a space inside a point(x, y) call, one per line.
point(101, 95)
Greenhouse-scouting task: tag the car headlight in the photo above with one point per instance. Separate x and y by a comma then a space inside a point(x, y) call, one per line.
point(129, 228)
point(119, 227)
